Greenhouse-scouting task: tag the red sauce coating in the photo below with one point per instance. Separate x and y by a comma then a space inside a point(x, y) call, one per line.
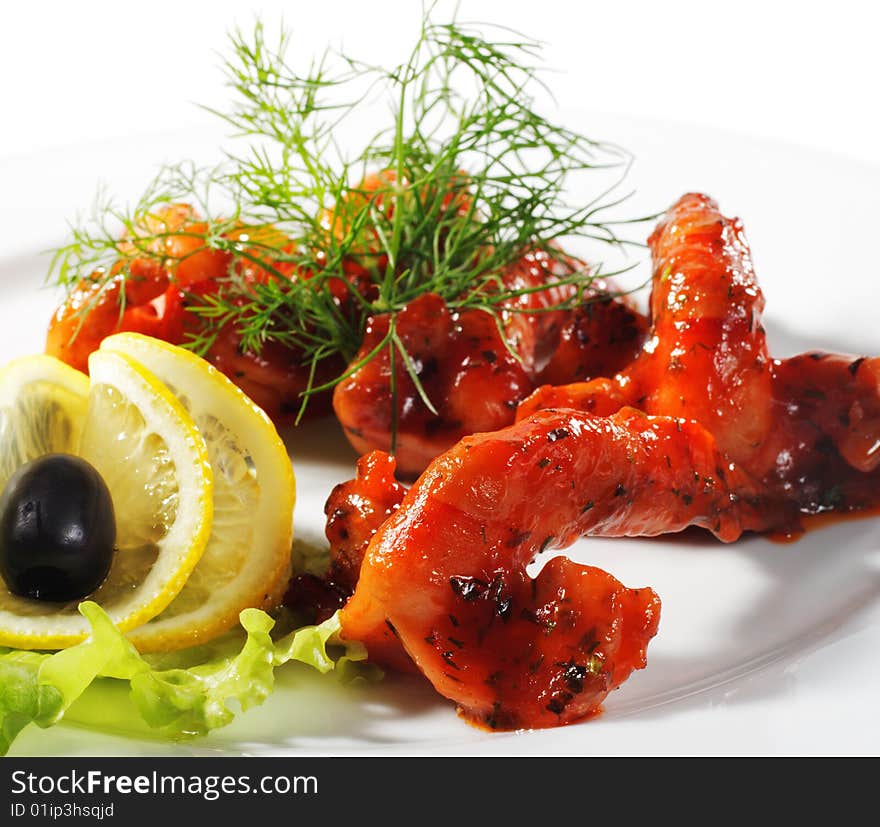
point(464, 361)
point(356, 510)
point(807, 428)
point(444, 580)
point(157, 289)
point(725, 438)
point(473, 373)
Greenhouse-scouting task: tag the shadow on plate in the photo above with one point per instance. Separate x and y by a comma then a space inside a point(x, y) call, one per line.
point(319, 440)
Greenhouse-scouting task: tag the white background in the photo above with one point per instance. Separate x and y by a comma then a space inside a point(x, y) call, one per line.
point(803, 72)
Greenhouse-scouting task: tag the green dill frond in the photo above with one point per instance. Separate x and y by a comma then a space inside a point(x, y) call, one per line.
point(463, 179)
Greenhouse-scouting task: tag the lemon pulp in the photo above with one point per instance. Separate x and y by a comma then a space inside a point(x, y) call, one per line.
point(246, 561)
point(147, 448)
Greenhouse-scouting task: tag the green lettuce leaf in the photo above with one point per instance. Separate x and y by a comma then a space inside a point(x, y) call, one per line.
point(178, 694)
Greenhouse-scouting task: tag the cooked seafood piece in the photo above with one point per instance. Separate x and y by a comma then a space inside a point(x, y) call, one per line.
point(824, 449)
point(444, 580)
point(150, 287)
point(703, 428)
point(705, 357)
point(807, 428)
point(475, 367)
point(356, 510)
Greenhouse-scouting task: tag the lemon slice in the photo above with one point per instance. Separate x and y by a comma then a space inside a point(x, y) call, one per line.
point(42, 409)
point(156, 466)
point(247, 560)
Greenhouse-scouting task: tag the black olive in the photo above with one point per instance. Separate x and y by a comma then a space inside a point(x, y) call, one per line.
point(57, 529)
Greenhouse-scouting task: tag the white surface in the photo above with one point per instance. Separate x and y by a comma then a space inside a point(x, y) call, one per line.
point(763, 649)
point(805, 72)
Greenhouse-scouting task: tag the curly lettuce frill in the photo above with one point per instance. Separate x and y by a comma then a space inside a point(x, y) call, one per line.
point(178, 694)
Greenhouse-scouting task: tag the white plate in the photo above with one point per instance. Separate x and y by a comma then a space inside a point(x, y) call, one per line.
point(763, 648)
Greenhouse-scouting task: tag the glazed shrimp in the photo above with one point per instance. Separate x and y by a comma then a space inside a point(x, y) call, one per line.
point(824, 450)
point(473, 372)
point(151, 286)
point(706, 355)
point(444, 580)
point(808, 427)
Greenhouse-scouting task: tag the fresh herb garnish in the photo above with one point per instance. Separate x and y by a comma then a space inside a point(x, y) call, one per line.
point(467, 177)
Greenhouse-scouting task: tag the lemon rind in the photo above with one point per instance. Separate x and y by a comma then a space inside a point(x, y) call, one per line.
point(36, 632)
point(273, 516)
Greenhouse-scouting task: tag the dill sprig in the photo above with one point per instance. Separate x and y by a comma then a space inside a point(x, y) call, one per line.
point(465, 179)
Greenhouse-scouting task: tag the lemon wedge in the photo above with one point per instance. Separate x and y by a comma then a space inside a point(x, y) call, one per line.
point(155, 463)
point(42, 409)
point(247, 559)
